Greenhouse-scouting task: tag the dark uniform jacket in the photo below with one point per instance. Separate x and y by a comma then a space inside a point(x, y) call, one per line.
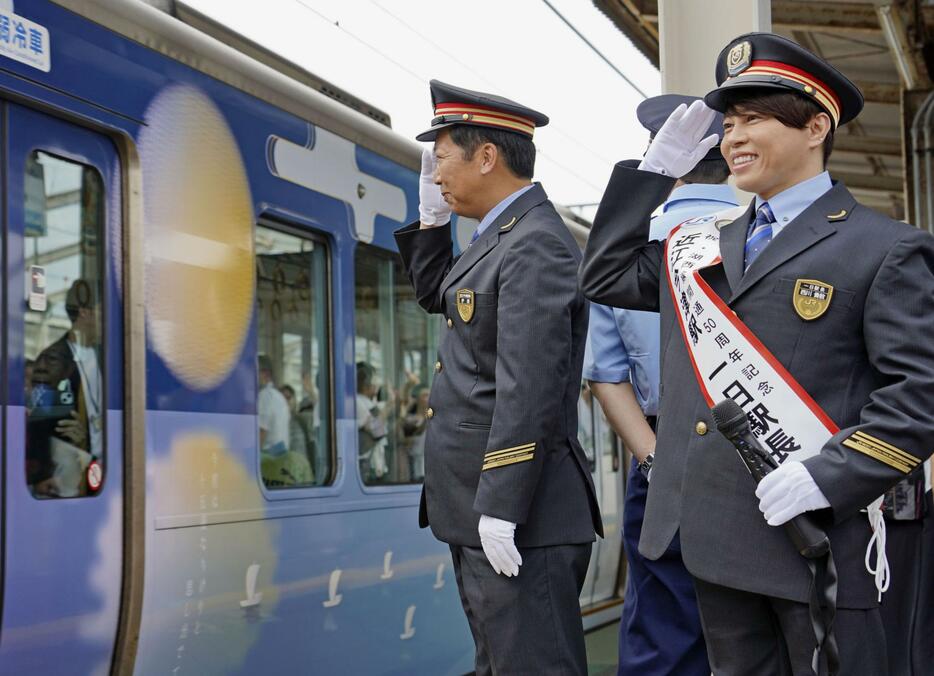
point(502, 434)
point(868, 362)
point(55, 366)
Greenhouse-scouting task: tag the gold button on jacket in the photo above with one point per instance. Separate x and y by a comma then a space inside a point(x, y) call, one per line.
point(701, 427)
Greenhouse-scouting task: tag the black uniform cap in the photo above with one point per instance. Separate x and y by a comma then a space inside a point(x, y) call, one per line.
point(769, 61)
point(653, 112)
point(456, 105)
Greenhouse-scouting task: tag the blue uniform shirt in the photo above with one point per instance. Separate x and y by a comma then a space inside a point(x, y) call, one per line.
point(493, 213)
point(787, 204)
point(623, 344)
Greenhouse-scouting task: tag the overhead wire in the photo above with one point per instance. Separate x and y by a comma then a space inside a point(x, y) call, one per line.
point(594, 49)
point(483, 78)
point(363, 42)
point(336, 23)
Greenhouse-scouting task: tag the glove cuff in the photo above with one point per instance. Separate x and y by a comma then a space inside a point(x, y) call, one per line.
point(430, 216)
point(647, 165)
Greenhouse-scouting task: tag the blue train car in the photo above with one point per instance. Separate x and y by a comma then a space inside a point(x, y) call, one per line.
point(212, 364)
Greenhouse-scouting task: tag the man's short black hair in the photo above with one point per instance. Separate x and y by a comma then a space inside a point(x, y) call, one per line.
point(711, 172)
point(365, 374)
point(517, 150)
point(791, 109)
point(264, 364)
point(81, 295)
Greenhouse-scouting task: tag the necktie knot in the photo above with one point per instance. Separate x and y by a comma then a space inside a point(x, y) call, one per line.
point(760, 233)
point(764, 216)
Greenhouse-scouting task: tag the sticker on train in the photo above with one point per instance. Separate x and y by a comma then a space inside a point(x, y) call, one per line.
point(25, 41)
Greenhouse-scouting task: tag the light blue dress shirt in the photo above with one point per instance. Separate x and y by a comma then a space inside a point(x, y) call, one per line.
point(493, 213)
point(623, 344)
point(787, 204)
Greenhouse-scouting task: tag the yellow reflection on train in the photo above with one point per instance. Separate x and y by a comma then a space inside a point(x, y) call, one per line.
point(216, 588)
point(198, 237)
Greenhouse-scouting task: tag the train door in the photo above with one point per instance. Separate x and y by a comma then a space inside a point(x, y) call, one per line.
point(62, 488)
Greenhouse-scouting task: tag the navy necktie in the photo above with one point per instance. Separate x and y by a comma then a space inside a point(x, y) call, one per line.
point(760, 233)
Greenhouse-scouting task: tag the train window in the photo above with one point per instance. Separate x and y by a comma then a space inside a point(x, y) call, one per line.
point(63, 327)
point(394, 351)
point(293, 365)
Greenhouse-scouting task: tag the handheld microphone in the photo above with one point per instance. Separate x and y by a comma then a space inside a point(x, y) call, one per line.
point(808, 538)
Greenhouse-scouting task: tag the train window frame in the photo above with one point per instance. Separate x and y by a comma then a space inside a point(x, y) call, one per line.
point(103, 365)
point(392, 257)
point(288, 225)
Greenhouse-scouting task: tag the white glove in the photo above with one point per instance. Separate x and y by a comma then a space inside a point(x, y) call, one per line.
point(679, 145)
point(787, 492)
point(432, 209)
point(497, 540)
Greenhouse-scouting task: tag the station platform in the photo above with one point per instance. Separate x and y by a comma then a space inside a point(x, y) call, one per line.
point(603, 650)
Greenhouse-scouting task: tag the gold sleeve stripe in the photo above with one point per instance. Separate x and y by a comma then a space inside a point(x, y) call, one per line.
point(907, 457)
point(874, 453)
point(495, 454)
point(519, 456)
point(510, 455)
point(508, 460)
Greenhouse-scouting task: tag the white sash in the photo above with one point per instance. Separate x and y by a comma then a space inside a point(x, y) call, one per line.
point(731, 363)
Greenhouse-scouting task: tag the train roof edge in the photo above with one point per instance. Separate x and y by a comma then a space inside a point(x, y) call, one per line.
point(159, 29)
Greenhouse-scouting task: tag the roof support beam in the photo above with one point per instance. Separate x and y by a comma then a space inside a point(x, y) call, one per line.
point(870, 145)
point(880, 92)
point(825, 16)
point(870, 182)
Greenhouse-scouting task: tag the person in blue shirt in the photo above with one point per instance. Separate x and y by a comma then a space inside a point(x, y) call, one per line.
point(660, 630)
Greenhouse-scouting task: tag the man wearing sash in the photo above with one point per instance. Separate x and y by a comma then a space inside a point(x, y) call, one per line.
point(809, 310)
point(507, 484)
point(660, 631)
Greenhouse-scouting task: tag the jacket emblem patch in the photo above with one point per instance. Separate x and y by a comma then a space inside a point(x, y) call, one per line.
point(811, 298)
point(465, 304)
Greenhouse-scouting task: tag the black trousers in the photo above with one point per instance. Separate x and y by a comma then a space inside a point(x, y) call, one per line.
point(753, 635)
point(908, 605)
point(529, 624)
point(901, 604)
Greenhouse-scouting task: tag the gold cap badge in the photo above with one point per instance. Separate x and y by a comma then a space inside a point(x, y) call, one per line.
point(465, 304)
point(739, 58)
point(811, 298)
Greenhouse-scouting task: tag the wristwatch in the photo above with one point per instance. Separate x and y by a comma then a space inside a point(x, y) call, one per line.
point(645, 466)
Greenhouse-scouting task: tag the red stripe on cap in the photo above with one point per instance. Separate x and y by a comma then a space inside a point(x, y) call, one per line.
point(809, 76)
point(458, 108)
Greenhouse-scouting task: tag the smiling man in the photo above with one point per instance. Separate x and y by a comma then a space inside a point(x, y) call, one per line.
point(809, 310)
point(507, 484)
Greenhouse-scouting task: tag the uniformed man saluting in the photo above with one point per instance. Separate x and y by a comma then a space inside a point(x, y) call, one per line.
point(506, 481)
point(814, 314)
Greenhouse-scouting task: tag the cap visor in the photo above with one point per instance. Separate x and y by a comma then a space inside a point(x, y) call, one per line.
point(429, 135)
point(432, 134)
